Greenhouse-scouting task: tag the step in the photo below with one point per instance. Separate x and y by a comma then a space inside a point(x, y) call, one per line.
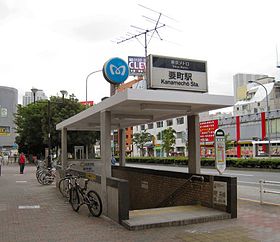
point(172, 216)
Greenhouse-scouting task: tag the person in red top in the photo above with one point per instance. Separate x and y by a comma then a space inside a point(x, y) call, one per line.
point(21, 162)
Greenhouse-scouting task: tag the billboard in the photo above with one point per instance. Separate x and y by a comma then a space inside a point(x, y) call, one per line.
point(88, 103)
point(137, 65)
point(207, 130)
point(177, 73)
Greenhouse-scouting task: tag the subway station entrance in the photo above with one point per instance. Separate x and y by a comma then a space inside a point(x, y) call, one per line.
point(128, 193)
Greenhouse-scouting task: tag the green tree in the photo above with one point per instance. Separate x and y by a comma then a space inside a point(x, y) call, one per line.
point(168, 140)
point(33, 127)
point(228, 142)
point(139, 139)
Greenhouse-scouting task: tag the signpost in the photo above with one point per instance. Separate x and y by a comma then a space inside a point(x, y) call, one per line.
point(115, 71)
point(220, 150)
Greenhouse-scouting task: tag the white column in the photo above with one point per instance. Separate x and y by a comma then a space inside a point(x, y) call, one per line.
point(105, 121)
point(122, 147)
point(64, 148)
point(194, 144)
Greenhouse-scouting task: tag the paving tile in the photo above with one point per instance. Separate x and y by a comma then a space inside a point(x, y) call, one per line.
point(55, 221)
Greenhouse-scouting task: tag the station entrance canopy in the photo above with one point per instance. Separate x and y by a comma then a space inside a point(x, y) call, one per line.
point(139, 106)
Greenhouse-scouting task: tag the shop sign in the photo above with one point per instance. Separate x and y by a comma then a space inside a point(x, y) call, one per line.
point(207, 129)
point(5, 131)
point(137, 65)
point(176, 73)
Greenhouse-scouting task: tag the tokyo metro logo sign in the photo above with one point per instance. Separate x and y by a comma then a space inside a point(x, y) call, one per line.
point(115, 70)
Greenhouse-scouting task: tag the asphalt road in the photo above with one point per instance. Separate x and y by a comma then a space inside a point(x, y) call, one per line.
point(248, 181)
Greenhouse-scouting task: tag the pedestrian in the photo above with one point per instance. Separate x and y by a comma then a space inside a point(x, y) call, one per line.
point(113, 160)
point(22, 160)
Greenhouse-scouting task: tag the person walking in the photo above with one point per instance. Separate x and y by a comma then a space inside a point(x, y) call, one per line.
point(22, 160)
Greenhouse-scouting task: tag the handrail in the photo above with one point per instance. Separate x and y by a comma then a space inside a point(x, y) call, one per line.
point(168, 200)
point(262, 190)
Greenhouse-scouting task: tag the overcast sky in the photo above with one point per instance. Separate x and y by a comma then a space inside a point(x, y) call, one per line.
point(54, 44)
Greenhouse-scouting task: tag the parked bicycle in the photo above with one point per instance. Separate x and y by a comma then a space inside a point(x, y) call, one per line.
point(44, 175)
point(79, 196)
point(65, 183)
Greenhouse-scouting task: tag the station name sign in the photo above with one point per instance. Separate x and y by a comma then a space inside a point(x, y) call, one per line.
point(176, 73)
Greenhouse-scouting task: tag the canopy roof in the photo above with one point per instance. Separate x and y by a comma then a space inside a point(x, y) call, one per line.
point(139, 106)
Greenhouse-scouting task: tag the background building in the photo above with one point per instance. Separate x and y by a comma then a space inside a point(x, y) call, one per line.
point(29, 97)
point(255, 99)
point(8, 106)
point(240, 82)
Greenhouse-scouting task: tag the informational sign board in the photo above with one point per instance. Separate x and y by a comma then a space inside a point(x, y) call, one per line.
point(176, 73)
point(220, 193)
point(137, 65)
point(220, 150)
point(207, 130)
point(115, 71)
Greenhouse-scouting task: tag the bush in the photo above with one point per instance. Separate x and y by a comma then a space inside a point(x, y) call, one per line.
point(210, 162)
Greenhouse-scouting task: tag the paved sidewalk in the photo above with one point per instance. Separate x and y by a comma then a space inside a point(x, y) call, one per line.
point(32, 212)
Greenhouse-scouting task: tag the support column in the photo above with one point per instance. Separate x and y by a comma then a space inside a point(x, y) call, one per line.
point(64, 148)
point(194, 144)
point(105, 133)
point(122, 147)
point(86, 152)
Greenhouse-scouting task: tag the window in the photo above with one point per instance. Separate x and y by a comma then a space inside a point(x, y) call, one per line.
point(179, 135)
point(169, 122)
point(159, 124)
point(180, 120)
point(150, 126)
point(159, 136)
point(142, 127)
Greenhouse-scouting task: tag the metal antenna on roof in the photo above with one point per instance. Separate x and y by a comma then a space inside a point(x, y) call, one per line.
point(147, 33)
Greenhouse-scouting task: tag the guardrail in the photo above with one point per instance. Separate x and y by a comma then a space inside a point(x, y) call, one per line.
point(263, 190)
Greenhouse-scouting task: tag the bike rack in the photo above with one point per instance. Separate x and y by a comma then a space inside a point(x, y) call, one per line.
point(262, 189)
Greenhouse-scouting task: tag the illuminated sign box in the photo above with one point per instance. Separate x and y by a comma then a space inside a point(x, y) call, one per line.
point(137, 65)
point(176, 73)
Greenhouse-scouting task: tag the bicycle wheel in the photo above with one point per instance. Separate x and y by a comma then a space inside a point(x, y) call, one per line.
point(64, 187)
point(74, 199)
point(95, 204)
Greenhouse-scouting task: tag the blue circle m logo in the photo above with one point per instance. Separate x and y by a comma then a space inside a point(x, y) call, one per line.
point(115, 70)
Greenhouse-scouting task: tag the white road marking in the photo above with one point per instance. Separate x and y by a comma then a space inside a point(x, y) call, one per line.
point(254, 183)
point(21, 181)
point(28, 206)
point(230, 174)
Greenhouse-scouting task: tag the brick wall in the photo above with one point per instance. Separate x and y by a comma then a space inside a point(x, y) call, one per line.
point(152, 188)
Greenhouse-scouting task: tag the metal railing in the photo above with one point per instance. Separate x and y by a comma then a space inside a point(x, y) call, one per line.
point(263, 190)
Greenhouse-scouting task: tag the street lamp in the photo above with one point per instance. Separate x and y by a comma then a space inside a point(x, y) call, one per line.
point(268, 120)
point(49, 164)
point(87, 81)
point(34, 90)
point(63, 93)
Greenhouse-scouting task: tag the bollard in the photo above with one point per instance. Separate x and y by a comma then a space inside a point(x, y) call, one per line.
point(261, 191)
